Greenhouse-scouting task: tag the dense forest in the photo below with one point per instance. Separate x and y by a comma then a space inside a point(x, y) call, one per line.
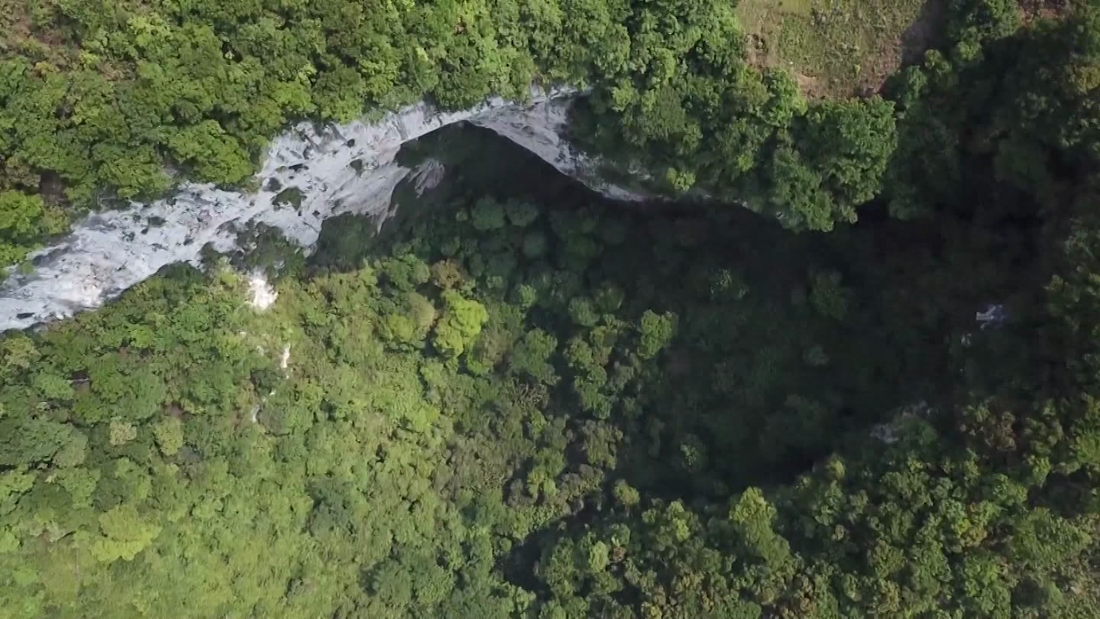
point(104, 101)
point(518, 399)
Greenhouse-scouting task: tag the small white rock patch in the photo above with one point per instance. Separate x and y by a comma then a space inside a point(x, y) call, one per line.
point(263, 295)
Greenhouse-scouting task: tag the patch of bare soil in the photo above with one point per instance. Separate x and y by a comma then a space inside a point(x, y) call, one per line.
point(1045, 9)
point(20, 35)
point(812, 88)
point(926, 32)
point(760, 55)
point(52, 189)
point(14, 23)
point(758, 52)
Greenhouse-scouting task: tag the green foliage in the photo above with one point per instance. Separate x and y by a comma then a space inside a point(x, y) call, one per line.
point(978, 21)
point(123, 534)
point(459, 325)
point(753, 518)
point(169, 435)
point(162, 434)
point(534, 245)
point(23, 221)
point(488, 214)
point(690, 108)
point(625, 495)
point(100, 101)
point(827, 295)
point(993, 114)
point(655, 332)
point(210, 153)
point(121, 432)
point(119, 92)
point(29, 440)
point(521, 214)
point(532, 354)
point(849, 144)
point(582, 312)
point(569, 410)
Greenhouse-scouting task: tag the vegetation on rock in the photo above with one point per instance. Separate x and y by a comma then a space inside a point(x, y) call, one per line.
point(521, 400)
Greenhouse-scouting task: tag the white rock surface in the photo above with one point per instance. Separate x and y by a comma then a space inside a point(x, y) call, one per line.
point(541, 129)
point(108, 252)
point(263, 295)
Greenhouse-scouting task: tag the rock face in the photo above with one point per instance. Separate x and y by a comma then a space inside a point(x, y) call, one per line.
point(308, 176)
point(541, 129)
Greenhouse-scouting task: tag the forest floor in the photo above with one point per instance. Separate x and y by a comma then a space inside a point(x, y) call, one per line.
point(839, 48)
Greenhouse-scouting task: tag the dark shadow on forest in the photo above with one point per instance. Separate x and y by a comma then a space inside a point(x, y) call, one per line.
point(925, 33)
point(788, 345)
point(783, 385)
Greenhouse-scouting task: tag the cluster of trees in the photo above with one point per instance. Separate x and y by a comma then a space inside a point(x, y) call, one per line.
point(408, 429)
point(1003, 115)
point(914, 529)
point(980, 502)
point(677, 97)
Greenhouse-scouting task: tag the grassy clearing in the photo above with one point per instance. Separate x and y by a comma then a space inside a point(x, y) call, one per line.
point(838, 48)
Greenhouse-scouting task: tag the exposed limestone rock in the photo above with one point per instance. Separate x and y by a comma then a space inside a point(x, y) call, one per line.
point(308, 176)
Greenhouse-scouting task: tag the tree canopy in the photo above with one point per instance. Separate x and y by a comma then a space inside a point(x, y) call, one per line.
point(521, 400)
point(105, 102)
